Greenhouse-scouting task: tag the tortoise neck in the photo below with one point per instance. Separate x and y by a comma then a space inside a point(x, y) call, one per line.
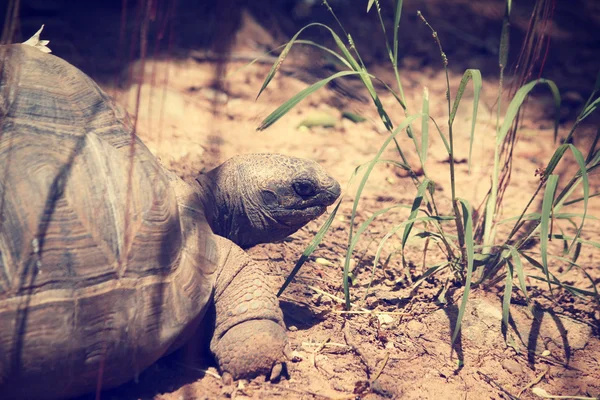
point(222, 204)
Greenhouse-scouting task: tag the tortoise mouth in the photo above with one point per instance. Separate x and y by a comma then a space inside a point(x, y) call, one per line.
point(299, 216)
point(298, 212)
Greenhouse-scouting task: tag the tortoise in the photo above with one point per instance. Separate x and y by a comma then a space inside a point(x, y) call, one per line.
point(109, 261)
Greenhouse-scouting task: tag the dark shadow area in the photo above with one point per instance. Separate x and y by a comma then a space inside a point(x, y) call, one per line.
point(166, 375)
point(298, 315)
point(102, 37)
point(563, 336)
point(534, 335)
point(452, 314)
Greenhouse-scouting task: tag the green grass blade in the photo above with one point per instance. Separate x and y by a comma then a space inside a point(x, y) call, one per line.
point(581, 199)
point(298, 41)
point(592, 149)
point(433, 235)
point(385, 239)
point(579, 240)
point(475, 75)
point(395, 163)
point(310, 248)
point(380, 161)
point(576, 253)
point(517, 101)
point(421, 190)
point(536, 216)
point(556, 157)
point(326, 50)
point(430, 272)
point(446, 144)
point(349, 59)
point(368, 221)
point(586, 188)
point(363, 227)
point(468, 226)
point(389, 89)
point(575, 291)
point(424, 128)
point(378, 252)
point(361, 186)
point(553, 280)
point(581, 269)
point(590, 109)
point(508, 285)
point(392, 232)
point(545, 222)
point(570, 187)
point(520, 275)
point(281, 58)
point(366, 79)
point(565, 243)
point(397, 15)
point(297, 98)
point(504, 38)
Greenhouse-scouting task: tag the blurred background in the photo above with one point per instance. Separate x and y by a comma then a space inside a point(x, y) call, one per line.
point(102, 37)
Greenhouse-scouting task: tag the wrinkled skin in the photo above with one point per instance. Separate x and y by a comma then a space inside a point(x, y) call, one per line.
point(252, 199)
point(259, 198)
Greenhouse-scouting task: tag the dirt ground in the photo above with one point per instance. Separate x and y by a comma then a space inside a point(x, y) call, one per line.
point(398, 343)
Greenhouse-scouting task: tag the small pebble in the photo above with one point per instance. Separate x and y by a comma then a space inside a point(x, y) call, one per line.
point(296, 356)
point(414, 329)
point(385, 319)
point(323, 261)
point(512, 366)
point(292, 328)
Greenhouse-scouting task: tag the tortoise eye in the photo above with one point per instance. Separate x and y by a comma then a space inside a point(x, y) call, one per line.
point(304, 188)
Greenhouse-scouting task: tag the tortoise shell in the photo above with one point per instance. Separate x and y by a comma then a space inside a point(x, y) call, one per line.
point(103, 263)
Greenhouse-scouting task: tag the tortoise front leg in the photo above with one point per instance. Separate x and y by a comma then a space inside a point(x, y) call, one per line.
point(250, 337)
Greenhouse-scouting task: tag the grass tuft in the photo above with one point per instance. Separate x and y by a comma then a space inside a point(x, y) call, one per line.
point(466, 239)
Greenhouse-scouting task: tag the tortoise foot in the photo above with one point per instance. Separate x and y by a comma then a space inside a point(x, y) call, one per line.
point(253, 348)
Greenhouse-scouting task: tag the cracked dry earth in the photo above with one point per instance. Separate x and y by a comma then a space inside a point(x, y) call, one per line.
point(397, 335)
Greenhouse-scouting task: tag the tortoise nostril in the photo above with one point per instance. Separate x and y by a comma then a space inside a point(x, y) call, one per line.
point(334, 190)
point(269, 198)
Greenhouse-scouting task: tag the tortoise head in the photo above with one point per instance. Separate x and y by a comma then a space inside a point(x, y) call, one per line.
point(260, 198)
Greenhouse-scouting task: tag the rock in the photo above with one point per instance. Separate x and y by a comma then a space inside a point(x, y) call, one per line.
point(328, 325)
point(512, 366)
point(385, 319)
point(415, 329)
point(296, 356)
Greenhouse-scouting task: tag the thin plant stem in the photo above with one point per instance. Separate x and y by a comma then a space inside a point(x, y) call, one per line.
point(457, 214)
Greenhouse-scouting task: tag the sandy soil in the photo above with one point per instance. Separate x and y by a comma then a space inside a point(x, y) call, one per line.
point(400, 346)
